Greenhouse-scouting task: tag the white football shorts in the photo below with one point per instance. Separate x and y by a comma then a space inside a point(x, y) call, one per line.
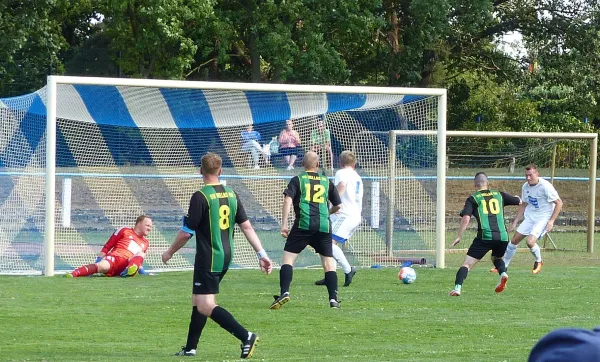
point(343, 226)
point(533, 227)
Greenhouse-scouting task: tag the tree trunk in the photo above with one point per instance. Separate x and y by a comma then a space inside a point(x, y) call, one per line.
point(254, 57)
point(393, 37)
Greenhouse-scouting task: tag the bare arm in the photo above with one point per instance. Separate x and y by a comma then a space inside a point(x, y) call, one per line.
point(263, 258)
point(520, 213)
point(285, 213)
point(251, 236)
point(180, 240)
point(557, 207)
point(297, 136)
point(464, 222)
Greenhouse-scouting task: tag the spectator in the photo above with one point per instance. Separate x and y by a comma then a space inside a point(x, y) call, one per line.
point(289, 140)
point(320, 142)
point(250, 144)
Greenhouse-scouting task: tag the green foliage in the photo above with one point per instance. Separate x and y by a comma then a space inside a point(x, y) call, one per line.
point(155, 38)
point(30, 41)
point(449, 43)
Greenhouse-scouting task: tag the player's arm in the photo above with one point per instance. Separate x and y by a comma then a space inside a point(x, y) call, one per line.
point(242, 220)
point(508, 200)
point(265, 263)
point(292, 190)
point(464, 222)
point(285, 213)
point(334, 198)
point(557, 207)
point(520, 214)
point(465, 214)
point(110, 244)
point(190, 224)
point(341, 188)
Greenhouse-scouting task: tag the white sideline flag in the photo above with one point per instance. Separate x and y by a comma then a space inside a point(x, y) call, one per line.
point(375, 205)
point(66, 203)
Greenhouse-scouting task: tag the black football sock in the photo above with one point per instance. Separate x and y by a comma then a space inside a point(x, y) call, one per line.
point(331, 282)
point(197, 323)
point(499, 264)
point(285, 277)
point(461, 275)
point(228, 323)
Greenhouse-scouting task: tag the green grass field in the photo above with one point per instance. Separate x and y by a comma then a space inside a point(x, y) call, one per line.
point(146, 318)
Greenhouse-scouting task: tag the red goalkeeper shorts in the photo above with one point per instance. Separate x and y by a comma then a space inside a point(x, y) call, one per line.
point(117, 265)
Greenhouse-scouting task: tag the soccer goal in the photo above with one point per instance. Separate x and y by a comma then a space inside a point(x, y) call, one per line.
point(569, 160)
point(84, 156)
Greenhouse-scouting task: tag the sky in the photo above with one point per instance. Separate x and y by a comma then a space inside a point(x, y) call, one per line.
point(512, 44)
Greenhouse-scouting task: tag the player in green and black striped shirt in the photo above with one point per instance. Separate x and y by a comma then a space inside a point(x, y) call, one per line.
point(212, 213)
point(309, 192)
point(487, 206)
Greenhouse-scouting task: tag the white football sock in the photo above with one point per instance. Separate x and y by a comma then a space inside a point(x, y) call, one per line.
point(536, 252)
point(511, 249)
point(339, 256)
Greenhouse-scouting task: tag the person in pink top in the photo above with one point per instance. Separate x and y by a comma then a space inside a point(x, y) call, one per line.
point(289, 140)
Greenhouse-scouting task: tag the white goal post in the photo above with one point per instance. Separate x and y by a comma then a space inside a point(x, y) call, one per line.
point(441, 174)
point(435, 113)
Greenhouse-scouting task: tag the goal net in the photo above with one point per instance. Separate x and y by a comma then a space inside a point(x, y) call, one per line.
point(120, 148)
point(566, 160)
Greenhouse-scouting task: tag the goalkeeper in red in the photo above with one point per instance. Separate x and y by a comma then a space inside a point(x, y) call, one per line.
point(487, 206)
point(123, 254)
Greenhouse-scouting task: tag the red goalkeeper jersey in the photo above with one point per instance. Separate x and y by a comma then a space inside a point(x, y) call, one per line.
point(125, 243)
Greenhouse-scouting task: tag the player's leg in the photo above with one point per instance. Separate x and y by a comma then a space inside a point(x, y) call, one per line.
point(342, 229)
point(339, 257)
point(323, 245)
point(90, 269)
point(205, 301)
point(203, 282)
point(195, 328)
point(498, 251)
point(476, 251)
point(286, 273)
point(296, 242)
point(134, 265)
point(519, 235)
point(537, 232)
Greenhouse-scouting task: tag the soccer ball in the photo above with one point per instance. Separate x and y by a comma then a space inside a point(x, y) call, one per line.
point(407, 275)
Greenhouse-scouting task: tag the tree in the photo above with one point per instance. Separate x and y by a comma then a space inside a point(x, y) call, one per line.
point(30, 42)
point(155, 38)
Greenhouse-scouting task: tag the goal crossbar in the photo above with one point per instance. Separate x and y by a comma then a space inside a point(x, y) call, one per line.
point(52, 112)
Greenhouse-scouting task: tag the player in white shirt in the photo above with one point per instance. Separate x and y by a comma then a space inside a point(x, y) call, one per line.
point(344, 222)
point(541, 206)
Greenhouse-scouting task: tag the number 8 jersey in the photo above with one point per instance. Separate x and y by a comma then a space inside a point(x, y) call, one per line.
point(211, 216)
point(487, 206)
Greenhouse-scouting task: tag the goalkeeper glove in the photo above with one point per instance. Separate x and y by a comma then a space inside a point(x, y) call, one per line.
point(406, 263)
point(143, 271)
point(98, 258)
